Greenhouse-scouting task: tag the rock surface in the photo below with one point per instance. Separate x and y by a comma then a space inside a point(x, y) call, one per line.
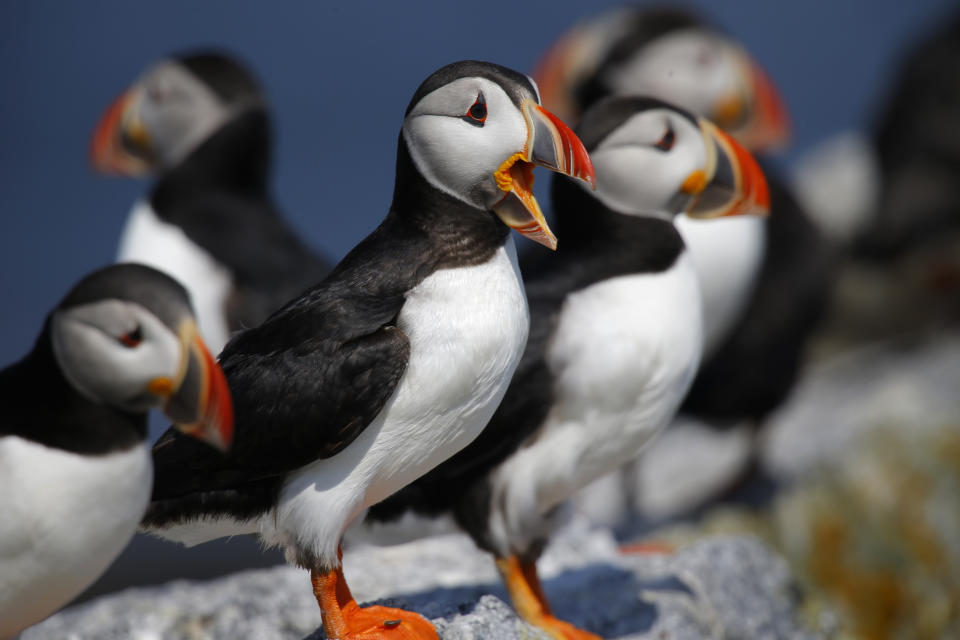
point(730, 587)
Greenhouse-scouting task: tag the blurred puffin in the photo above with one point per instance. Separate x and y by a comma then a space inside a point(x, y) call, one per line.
point(919, 163)
point(200, 123)
point(75, 472)
point(615, 337)
point(764, 283)
point(396, 360)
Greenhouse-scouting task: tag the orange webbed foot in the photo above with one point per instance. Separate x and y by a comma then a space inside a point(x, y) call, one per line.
point(344, 619)
point(384, 623)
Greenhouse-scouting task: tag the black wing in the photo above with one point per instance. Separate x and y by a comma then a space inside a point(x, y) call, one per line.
point(269, 263)
point(304, 384)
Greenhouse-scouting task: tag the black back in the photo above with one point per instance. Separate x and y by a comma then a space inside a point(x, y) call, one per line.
point(309, 380)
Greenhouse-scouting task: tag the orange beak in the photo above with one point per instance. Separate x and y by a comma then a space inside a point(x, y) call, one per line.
point(200, 405)
point(769, 128)
point(551, 144)
point(109, 150)
point(732, 184)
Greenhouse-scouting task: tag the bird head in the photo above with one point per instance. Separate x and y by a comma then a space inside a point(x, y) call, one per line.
point(125, 336)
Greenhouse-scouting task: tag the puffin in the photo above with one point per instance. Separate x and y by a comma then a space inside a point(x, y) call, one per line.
point(392, 363)
point(75, 469)
point(764, 282)
point(615, 337)
point(199, 122)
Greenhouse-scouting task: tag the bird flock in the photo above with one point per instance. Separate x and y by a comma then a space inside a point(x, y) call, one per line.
point(438, 370)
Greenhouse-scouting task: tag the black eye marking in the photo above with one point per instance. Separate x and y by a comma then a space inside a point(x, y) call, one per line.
point(666, 142)
point(477, 113)
point(132, 339)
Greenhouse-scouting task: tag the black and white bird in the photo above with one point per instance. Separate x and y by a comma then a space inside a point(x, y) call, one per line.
point(75, 471)
point(200, 123)
point(764, 282)
point(615, 336)
point(397, 359)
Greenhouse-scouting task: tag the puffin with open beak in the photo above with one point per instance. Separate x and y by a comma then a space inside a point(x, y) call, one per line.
point(75, 471)
point(615, 337)
point(395, 361)
point(200, 124)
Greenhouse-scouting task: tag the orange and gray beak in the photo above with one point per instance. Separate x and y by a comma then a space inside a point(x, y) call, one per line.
point(757, 119)
point(199, 401)
point(551, 144)
point(732, 183)
point(121, 144)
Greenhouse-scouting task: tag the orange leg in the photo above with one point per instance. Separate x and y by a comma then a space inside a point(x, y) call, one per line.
point(344, 619)
point(525, 589)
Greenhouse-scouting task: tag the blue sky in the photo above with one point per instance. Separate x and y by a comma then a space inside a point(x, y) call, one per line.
point(339, 76)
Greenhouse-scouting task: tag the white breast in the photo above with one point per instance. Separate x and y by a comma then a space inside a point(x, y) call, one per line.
point(621, 357)
point(467, 329)
point(727, 254)
point(63, 519)
point(149, 240)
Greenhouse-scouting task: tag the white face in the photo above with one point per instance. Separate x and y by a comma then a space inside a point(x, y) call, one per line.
point(692, 68)
point(458, 156)
point(110, 350)
point(643, 163)
point(178, 111)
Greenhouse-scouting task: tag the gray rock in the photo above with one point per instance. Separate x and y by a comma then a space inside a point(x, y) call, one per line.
point(726, 587)
point(836, 403)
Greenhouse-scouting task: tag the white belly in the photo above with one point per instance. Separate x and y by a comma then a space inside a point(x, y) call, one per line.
point(148, 240)
point(467, 329)
point(727, 254)
point(622, 357)
point(63, 519)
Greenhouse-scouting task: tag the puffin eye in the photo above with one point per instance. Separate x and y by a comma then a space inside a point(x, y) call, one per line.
point(156, 94)
point(477, 113)
point(666, 142)
point(132, 339)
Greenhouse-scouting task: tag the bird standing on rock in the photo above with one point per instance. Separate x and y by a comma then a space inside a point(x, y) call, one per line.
point(75, 472)
point(396, 360)
point(615, 337)
point(201, 124)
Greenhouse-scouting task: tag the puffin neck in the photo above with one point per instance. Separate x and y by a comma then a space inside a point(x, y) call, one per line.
point(235, 159)
point(462, 235)
point(586, 225)
point(43, 407)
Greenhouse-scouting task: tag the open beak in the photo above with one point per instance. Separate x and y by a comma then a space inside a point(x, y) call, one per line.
point(759, 120)
point(732, 183)
point(121, 144)
point(551, 144)
point(199, 401)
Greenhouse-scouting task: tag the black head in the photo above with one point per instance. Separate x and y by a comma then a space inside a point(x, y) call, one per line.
point(171, 109)
point(654, 159)
point(474, 130)
point(125, 336)
point(670, 54)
